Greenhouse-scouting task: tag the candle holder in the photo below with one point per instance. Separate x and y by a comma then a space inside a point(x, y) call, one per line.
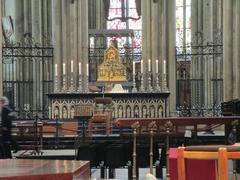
point(141, 87)
point(56, 84)
point(80, 89)
point(71, 89)
point(134, 89)
point(157, 88)
point(164, 83)
point(86, 90)
point(64, 86)
point(149, 89)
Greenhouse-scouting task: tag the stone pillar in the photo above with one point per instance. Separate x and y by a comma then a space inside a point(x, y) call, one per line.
point(1, 60)
point(64, 43)
point(237, 50)
point(194, 60)
point(158, 31)
point(57, 41)
point(84, 43)
point(171, 68)
point(36, 7)
point(144, 40)
point(73, 44)
point(154, 43)
point(207, 34)
point(227, 50)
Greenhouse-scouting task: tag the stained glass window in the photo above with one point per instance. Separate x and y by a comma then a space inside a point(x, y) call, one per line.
point(183, 25)
point(116, 11)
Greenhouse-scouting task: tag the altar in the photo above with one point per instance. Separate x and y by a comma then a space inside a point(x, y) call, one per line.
point(148, 100)
point(124, 105)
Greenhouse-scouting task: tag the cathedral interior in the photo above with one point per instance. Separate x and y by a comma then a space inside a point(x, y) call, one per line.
point(123, 83)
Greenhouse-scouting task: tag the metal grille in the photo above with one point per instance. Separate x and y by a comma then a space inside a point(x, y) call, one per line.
point(195, 91)
point(28, 76)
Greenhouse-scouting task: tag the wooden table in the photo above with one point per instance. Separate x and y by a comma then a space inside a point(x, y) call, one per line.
point(26, 169)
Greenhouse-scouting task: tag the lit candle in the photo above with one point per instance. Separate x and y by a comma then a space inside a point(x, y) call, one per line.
point(141, 66)
point(164, 66)
point(80, 68)
point(56, 70)
point(149, 65)
point(156, 65)
point(64, 69)
point(71, 65)
point(133, 67)
point(87, 70)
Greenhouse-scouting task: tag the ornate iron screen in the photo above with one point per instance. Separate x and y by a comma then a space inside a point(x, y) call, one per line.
point(199, 76)
point(28, 76)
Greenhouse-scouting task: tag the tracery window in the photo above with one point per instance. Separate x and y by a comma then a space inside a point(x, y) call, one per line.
point(183, 25)
point(122, 10)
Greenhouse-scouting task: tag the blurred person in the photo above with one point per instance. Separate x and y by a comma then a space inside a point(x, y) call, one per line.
point(6, 127)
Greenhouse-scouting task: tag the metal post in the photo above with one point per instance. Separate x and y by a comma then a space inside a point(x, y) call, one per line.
point(102, 170)
point(168, 126)
point(135, 126)
point(151, 125)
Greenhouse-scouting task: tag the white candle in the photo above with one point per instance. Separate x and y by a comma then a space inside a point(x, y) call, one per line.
point(64, 72)
point(164, 66)
point(71, 65)
point(56, 73)
point(141, 66)
point(149, 65)
point(87, 69)
point(80, 68)
point(133, 67)
point(156, 65)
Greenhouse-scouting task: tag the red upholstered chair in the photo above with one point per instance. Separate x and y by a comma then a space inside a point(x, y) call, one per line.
point(220, 153)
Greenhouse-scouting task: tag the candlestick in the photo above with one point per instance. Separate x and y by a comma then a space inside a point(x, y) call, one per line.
point(56, 73)
point(133, 67)
point(149, 88)
point(134, 82)
point(80, 68)
point(156, 66)
point(141, 66)
point(87, 70)
point(149, 65)
point(164, 66)
point(71, 65)
point(64, 72)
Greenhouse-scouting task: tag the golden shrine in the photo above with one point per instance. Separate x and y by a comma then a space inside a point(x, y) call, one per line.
point(111, 70)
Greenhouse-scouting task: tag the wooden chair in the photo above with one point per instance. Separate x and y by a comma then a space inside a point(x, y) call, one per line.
point(220, 153)
point(102, 115)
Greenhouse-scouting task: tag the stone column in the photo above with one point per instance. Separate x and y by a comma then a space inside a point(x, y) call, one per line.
point(194, 60)
point(57, 41)
point(158, 30)
point(144, 40)
point(64, 43)
point(1, 60)
point(36, 7)
point(207, 34)
point(227, 50)
point(84, 43)
point(73, 44)
point(155, 42)
point(237, 50)
point(79, 38)
point(171, 68)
